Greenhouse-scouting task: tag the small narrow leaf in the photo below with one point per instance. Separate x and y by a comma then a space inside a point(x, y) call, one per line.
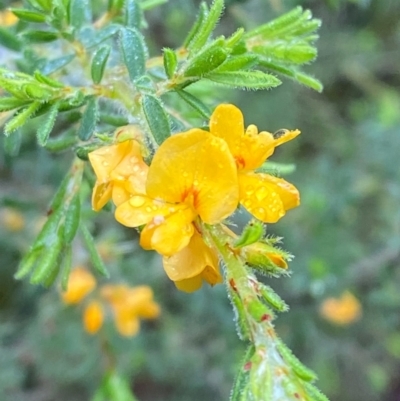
point(47, 80)
point(89, 119)
point(21, 118)
point(134, 52)
point(170, 61)
point(271, 297)
point(72, 218)
point(28, 15)
point(12, 143)
point(244, 79)
point(9, 39)
point(207, 60)
point(99, 62)
point(241, 62)
point(61, 143)
point(66, 267)
point(298, 53)
point(149, 4)
point(49, 229)
point(203, 12)
point(195, 103)
point(27, 263)
point(79, 12)
point(207, 26)
point(95, 258)
point(242, 377)
point(55, 64)
point(11, 103)
point(133, 14)
point(233, 40)
point(39, 36)
point(45, 128)
point(157, 118)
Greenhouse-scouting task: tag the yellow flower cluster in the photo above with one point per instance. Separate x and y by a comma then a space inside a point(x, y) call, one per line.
point(343, 310)
point(195, 177)
point(127, 304)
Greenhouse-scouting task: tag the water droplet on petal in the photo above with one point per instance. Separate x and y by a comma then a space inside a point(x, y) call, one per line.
point(137, 201)
point(106, 164)
point(157, 220)
point(148, 209)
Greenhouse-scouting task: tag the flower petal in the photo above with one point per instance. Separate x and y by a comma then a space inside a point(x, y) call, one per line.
point(193, 263)
point(127, 324)
point(267, 197)
point(170, 234)
point(80, 283)
point(196, 168)
point(101, 195)
point(93, 317)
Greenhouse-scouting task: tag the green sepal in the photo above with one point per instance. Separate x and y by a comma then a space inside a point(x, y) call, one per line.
point(89, 119)
point(298, 367)
point(195, 103)
point(240, 62)
point(28, 15)
point(40, 36)
point(203, 12)
point(11, 103)
point(27, 263)
point(72, 218)
point(276, 168)
point(252, 232)
point(133, 14)
point(134, 52)
point(9, 40)
point(21, 118)
point(12, 143)
point(170, 60)
point(207, 60)
point(99, 62)
point(272, 298)
point(242, 378)
point(48, 261)
point(83, 151)
point(95, 257)
point(244, 79)
point(297, 52)
point(207, 26)
point(47, 125)
point(156, 117)
point(242, 325)
point(47, 80)
point(66, 266)
point(79, 12)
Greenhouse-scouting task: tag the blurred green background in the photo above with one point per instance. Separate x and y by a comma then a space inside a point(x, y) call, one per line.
point(345, 235)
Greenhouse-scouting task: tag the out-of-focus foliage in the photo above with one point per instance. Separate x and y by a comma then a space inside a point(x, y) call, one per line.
point(345, 235)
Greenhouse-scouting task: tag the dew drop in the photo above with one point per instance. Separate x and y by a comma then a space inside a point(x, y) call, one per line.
point(137, 201)
point(106, 164)
point(148, 209)
point(157, 220)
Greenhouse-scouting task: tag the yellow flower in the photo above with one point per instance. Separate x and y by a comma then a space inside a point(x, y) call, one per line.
point(93, 317)
point(343, 310)
point(120, 171)
point(80, 284)
point(11, 219)
point(130, 304)
point(193, 264)
point(7, 18)
point(192, 174)
point(264, 196)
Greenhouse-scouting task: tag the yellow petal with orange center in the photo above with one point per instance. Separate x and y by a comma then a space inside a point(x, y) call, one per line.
point(93, 317)
point(266, 197)
point(196, 168)
point(168, 235)
point(194, 263)
point(80, 283)
point(101, 195)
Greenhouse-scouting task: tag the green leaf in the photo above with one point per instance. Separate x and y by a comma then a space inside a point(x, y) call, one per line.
point(39, 36)
point(47, 125)
point(9, 40)
point(100, 36)
point(95, 258)
point(99, 62)
point(79, 12)
point(170, 61)
point(242, 377)
point(62, 142)
point(233, 40)
point(203, 12)
point(134, 52)
point(21, 118)
point(240, 62)
point(72, 218)
point(27, 263)
point(55, 64)
point(49, 229)
point(47, 80)
point(145, 84)
point(206, 27)
point(206, 60)
point(113, 119)
point(117, 389)
point(315, 393)
point(12, 143)
point(272, 298)
point(89, 119)
point(244, 79)
point(115, 6)
point(252, 232)
point(41, 4)
point(66, 267)
point(195, 103)
point(297, 52)
point(157, 118)
point(28, 15)
point(133, 14)
point(58, 197)
point(149, 4)
point(11, 103)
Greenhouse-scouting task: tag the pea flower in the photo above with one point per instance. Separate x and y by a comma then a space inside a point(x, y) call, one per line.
point(120, 171)
point(343, 310)
point(192, 175)
point(266, 197)
point(80, 284)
